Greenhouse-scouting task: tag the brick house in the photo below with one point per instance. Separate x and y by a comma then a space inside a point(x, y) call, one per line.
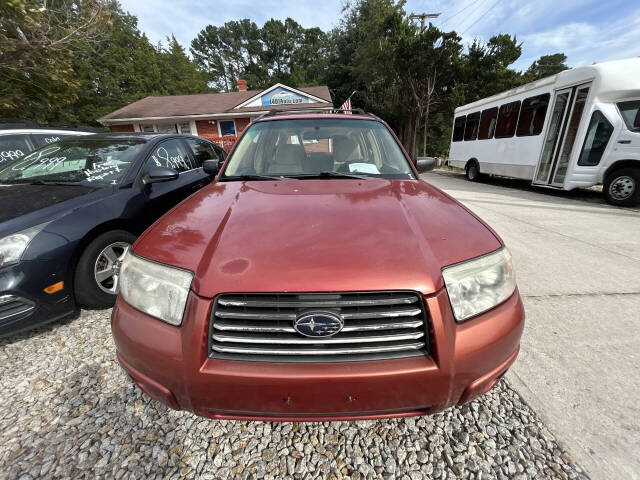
point(220, 117)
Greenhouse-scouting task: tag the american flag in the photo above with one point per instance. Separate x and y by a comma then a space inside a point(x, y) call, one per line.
point(346, 105)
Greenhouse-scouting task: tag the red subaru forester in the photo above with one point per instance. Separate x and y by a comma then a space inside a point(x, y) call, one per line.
point(319, 278)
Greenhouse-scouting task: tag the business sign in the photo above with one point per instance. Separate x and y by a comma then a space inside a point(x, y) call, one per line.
point(282, 96)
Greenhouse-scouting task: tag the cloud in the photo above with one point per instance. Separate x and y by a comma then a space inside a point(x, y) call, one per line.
point(585, 30)
point(561, 37)
point(185, 19)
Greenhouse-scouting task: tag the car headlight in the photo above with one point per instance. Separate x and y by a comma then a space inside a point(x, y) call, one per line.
point(480, 284)
point(155, 289)
point(13, 246)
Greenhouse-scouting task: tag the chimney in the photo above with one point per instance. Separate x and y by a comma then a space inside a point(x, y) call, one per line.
point(242, 85)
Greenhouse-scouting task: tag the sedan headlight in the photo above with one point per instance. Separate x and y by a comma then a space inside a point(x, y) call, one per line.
point(13, 246)
point(480, 284)
point(155, 289)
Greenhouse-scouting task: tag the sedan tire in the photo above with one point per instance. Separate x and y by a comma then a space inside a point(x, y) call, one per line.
point(96, 280)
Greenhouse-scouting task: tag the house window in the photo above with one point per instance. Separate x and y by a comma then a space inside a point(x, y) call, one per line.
point(147, 128)
point(184, 128)
point(227, 127)
point(167, 128)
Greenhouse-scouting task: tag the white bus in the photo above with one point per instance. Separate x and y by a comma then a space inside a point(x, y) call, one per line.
point(578, 128)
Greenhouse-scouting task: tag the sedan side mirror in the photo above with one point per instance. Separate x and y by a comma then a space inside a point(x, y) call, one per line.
point(159, 174)
point(424, 164)
point(211, 166)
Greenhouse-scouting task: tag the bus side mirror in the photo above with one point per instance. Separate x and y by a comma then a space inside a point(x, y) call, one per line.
point(425, 164)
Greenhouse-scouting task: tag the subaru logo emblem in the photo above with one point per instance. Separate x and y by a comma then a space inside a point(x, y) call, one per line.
point(318, 324)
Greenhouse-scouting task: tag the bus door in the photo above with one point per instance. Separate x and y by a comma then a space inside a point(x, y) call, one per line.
point(560, 137)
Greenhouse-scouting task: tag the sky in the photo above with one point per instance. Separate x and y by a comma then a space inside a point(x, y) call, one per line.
point(586, 31)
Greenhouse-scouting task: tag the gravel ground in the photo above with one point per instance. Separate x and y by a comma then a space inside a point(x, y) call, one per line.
point(68, 411)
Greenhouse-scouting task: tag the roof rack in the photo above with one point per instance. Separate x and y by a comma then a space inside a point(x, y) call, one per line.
point(274, 112)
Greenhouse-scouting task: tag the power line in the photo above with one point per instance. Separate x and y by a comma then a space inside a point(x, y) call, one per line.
point(480, 17)
point(451, 17)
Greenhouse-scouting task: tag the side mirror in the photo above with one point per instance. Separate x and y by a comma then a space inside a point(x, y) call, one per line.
point(425, 164)
point(211, 166)
point(159, 174)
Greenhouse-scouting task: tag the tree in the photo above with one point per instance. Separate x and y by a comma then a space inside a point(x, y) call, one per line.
point(36, 52)
point(226, 52)
point(178, 73)
point(546, 66)
point(486, 67)
point(122, 66)
point(430, 62)
point(279, 52)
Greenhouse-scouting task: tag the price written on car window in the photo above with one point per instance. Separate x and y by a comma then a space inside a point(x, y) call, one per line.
point(162, 158)
point(6, 155)
point(41, 159)
point(101, 171)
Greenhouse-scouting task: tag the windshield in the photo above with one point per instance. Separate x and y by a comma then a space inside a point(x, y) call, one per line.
point(87, 162)
point(631, 113)
point(318, 147)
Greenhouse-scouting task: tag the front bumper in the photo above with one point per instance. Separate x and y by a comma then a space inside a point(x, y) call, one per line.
point(171, 364)
point(24, 304)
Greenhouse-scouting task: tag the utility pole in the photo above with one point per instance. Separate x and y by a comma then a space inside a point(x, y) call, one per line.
point(423, 17)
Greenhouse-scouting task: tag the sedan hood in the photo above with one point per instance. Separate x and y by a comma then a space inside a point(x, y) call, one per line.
point(26, 205)
point(317, 236)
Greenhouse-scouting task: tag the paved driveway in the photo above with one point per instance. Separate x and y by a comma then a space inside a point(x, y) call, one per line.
point(578, 265)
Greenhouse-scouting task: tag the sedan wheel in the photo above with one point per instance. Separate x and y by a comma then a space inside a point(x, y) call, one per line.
point(97, 277)
point(107, 267)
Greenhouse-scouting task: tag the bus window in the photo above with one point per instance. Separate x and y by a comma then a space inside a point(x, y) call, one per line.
point(488, 123)
point(507, 119)
point(598, 135)
point(532, 114)
point(458, 128)
point(471, 128)
point(631, 113)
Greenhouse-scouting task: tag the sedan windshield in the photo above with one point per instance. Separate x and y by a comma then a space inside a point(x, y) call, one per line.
point(317, 148)
point(86, 162)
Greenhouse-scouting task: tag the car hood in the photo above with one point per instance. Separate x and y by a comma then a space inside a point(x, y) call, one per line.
point(317, 236)
point(23, 206)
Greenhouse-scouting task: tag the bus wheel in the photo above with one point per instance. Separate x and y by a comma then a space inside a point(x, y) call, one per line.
point(622, 187)
point(472, 172)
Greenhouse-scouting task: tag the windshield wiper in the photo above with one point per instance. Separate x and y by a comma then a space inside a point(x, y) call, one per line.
point(256, 177)
point(331, 175)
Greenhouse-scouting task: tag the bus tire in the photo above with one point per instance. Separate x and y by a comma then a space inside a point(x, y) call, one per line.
point(472, 171)
point(622, 187)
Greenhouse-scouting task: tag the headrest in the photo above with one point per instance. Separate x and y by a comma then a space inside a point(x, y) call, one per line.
point(290, 154)
point(343, 147)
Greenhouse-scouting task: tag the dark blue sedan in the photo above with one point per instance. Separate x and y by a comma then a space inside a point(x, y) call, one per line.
point(71, 210)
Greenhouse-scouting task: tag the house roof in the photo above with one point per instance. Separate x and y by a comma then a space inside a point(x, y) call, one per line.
point(204, 104)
